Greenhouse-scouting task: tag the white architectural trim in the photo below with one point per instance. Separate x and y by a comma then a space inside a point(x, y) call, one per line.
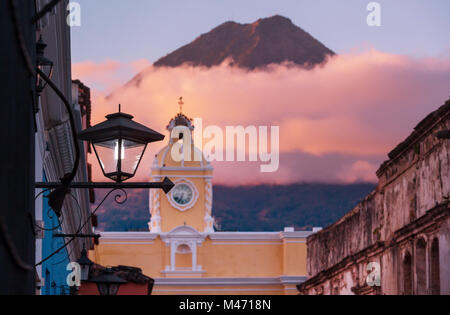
point(155, 215)
point(247, 243)
point(297, 234)
point(181, 272)
point(209, 220)
point(183, 169)
point(218, 237)
point(183, 235)
point(132, 236)
point(292, 279)
point(182, 176)
point(127, 243)
point(220, 290)
point(229, 281)
point(229, 236)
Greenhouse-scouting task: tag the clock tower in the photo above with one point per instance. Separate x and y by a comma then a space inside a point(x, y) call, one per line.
point(183, 253)
point(189, 203)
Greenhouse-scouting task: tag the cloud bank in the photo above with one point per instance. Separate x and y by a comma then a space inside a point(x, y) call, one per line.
point(337, 121)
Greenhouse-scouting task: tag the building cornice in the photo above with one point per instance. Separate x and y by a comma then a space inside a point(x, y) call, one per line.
point(258, 236)
point(182, 169)
point(216, 236)
point(229, 281)
point(131, 236)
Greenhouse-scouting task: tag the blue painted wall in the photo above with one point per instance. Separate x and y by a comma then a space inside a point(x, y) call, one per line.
point(53, 270)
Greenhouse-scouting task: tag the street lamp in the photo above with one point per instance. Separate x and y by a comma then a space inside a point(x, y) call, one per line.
point(85, 264)
point(108, 283)
point(44, 64)
point(119, 144)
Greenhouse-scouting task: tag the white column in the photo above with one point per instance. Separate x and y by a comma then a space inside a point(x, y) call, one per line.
point(194, 256)
point(173, 248)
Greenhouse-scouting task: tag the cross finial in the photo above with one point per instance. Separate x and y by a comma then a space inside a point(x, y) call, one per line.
point(181, 103)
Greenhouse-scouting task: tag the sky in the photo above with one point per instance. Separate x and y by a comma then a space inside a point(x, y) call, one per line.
point(152, 28)
point(337, 122)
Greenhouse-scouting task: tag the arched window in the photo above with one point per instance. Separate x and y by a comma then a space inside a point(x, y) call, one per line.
point(434, 263)
point(407, 274)
point(421, 263)
point(183, 257)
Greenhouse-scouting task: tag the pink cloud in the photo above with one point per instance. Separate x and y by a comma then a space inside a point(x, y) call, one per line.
point(104, 77)
point(356, 108)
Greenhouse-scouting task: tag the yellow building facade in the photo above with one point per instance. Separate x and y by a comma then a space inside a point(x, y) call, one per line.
point(183, 252)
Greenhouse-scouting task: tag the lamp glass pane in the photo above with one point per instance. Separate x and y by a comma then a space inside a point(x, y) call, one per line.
point(108, 288)
point(107, 153)
point(132, 154)
point(114, 288)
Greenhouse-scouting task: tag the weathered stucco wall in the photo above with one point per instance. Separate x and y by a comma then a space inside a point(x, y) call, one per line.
point(413, 181)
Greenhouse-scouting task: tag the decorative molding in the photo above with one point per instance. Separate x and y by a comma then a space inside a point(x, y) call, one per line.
point(231, 290)
point(282, 280)
point(247, 243)
point(209, 220)
point(183, 168)
point(182, 176)
point(183, 235)
point(131, 236)
point(292, 279)
point(154, 205)
point(296, 234)
point(127, 243)
point(245, 236)
point(191, 233)
point(182, 272)
point(257, 236)
point(195, 195)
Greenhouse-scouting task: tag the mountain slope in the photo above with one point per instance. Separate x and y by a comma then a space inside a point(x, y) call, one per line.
point(251, 208)
point(271, 40)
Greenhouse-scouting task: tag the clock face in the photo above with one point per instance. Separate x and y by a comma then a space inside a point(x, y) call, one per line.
point(182, 194)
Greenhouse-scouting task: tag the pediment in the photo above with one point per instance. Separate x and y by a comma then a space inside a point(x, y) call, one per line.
point(184, 230)
point(183, 234)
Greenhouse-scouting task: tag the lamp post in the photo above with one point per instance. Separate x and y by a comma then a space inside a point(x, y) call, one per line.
point(108, 283)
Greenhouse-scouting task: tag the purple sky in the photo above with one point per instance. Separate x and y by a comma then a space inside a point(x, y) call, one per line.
point(131, 30)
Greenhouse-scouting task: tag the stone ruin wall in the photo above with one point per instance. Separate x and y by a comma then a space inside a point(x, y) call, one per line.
point(413, 181)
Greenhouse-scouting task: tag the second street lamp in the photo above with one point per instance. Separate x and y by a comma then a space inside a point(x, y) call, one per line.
point(85, 264)
point(108, 283)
